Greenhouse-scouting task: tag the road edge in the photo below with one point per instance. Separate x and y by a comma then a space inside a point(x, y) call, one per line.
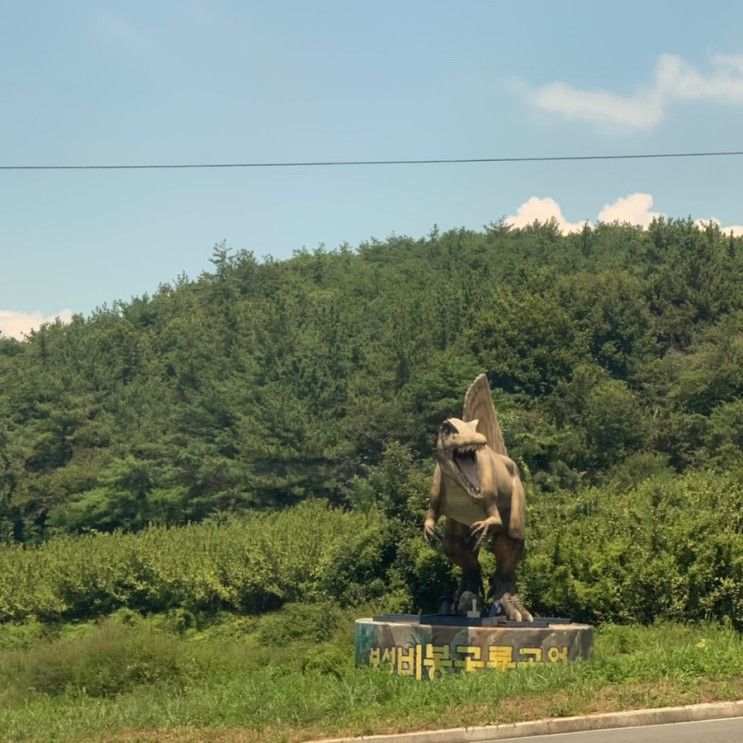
point(604, 721)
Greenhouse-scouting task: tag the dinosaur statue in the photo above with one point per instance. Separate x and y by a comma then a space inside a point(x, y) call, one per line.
point(478, 488)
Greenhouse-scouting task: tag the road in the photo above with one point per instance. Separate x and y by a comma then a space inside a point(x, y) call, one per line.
point(709, 731)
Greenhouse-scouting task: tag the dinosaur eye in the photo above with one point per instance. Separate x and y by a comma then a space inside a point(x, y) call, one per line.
point(447, 429)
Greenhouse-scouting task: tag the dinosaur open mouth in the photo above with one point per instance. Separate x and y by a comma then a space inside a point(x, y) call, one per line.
point(466, 462)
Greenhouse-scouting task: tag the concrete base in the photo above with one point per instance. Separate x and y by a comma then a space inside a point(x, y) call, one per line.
point(428, 646)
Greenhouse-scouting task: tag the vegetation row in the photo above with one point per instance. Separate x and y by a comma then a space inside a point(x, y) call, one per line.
point(671, 547)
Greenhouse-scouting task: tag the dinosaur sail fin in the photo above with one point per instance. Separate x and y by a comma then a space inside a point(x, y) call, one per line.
point(478, 404)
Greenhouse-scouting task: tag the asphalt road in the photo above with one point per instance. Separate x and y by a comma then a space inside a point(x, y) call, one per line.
point(707, 731)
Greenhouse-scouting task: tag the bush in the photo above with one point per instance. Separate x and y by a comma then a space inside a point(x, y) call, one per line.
point(252, 565)
point(423, 573)
point(354, 570)
point(670, 548)
point(110, 659)
point(312, 623)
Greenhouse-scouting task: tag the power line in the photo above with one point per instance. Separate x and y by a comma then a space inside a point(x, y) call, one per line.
point(336, 163)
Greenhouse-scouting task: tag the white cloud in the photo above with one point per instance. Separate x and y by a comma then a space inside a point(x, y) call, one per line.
point(635, 209)
point(18, 324)
point(640, 111)
point(542, 210)
point(673, 80)
point(632, 209)
point(733, 61)
point(736, 229)
point(677, 80)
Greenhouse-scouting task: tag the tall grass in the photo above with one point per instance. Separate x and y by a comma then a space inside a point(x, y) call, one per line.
point(136, 674)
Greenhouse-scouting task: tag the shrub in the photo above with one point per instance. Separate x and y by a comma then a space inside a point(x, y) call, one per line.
point(252, 565)
point(110, 659)
point(669, 548)
point(354, 570)
point(312, 623)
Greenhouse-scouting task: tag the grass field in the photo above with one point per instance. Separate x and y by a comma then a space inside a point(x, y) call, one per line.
point(288, 676)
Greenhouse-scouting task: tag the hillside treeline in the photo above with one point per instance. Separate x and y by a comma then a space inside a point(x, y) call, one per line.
point(614, 355)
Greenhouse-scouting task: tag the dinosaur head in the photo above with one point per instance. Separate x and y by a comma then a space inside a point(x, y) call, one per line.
point(456, 449)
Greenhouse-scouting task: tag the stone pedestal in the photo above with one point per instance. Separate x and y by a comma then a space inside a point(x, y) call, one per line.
point(426, 646)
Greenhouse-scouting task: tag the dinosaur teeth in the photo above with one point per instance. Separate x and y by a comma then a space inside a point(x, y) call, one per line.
point(468, 449)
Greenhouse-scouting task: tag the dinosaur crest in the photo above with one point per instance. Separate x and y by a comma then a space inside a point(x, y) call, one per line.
point(478, 407)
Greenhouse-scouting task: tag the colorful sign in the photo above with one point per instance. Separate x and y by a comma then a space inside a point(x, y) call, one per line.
point(429, 651)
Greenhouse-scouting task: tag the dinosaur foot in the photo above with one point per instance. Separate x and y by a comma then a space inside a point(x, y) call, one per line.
point(510, 605)
point(468, 601)
point(446, 606)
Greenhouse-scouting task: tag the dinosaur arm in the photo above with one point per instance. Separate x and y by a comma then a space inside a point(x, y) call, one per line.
point(434, 503)
point(434, 506)
point(490, 486)
point(491, 483)
point(516, 526)
point(480, 530)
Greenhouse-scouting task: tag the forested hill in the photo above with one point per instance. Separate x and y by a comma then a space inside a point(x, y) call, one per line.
point(613, 354)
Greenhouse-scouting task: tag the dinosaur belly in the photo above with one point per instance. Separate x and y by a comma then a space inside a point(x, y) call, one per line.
point(457, 504)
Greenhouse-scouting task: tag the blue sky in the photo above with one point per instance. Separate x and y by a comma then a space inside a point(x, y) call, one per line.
point(195, 81)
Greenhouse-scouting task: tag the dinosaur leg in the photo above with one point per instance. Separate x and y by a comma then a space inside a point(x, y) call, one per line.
point(507, 553)
point(457, 547)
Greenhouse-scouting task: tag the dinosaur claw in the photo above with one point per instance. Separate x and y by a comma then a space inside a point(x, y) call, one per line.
point(479, 533)
point(430, 536)
point(514, 609)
